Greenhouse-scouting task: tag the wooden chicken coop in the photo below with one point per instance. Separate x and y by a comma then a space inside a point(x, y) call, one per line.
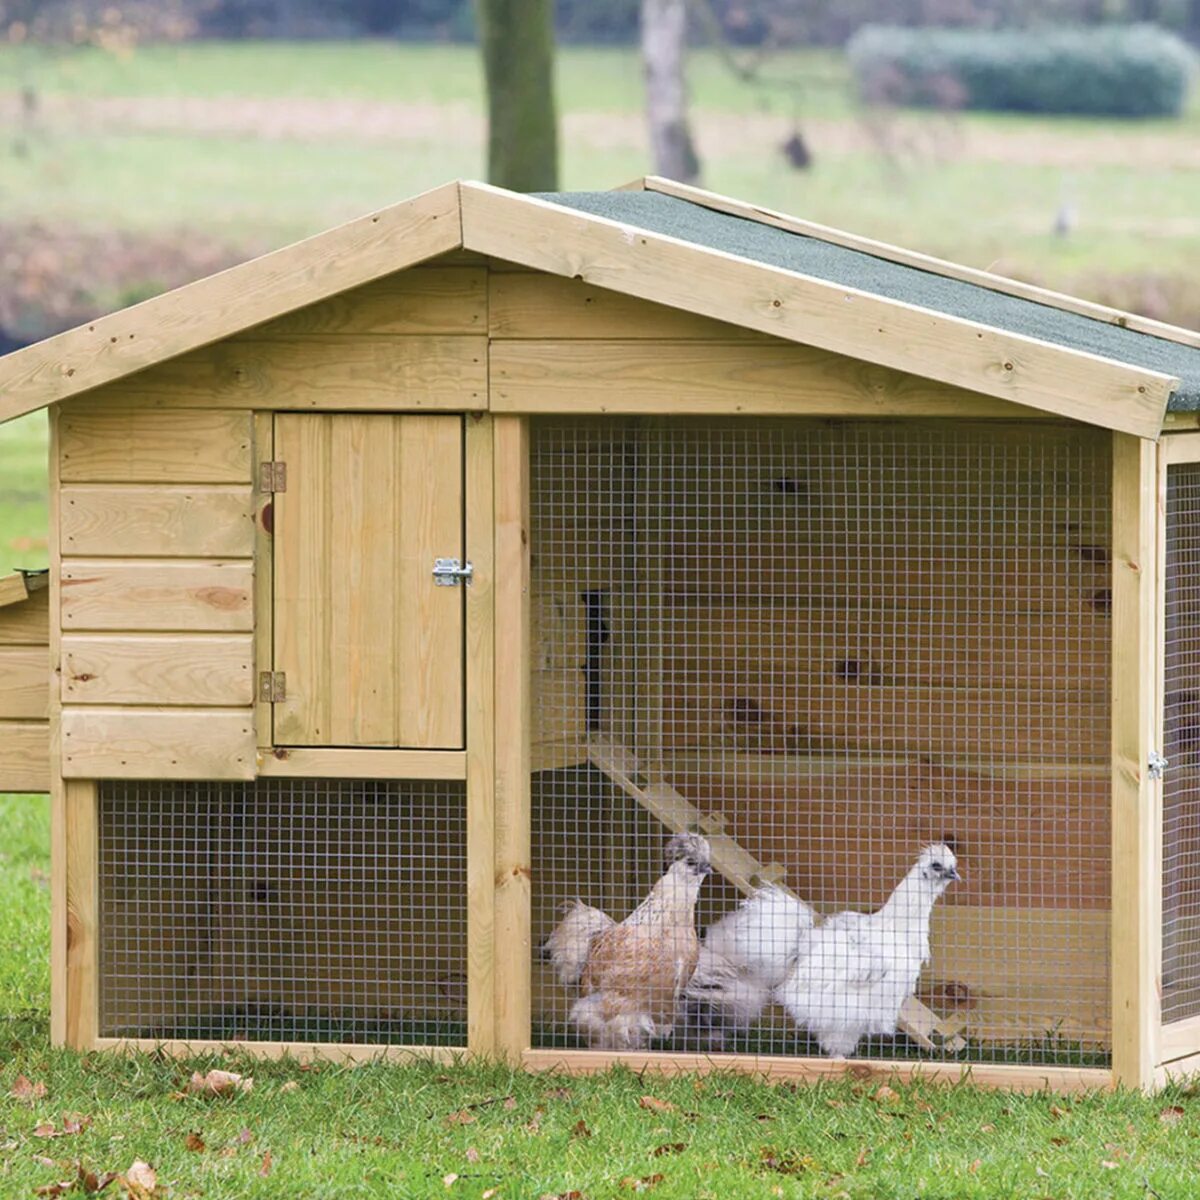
point(414, 580)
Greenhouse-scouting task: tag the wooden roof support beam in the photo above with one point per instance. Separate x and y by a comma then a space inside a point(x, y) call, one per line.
point(223, 304)
point(800, 308)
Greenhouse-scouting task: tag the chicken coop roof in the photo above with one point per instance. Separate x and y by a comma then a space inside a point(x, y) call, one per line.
point(865, 272)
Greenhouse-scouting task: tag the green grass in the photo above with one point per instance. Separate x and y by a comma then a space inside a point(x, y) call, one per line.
point(23, 494)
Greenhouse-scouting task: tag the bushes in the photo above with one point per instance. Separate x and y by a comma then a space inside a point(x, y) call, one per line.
point(1117, 70)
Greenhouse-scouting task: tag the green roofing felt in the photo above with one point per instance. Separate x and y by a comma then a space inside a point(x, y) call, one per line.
point(676, 218)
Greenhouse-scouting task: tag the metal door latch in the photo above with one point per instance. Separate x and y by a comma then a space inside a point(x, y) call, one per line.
point(450, 572)
point(1157, 765)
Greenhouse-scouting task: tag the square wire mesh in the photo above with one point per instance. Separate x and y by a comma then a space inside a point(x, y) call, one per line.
point(284, 910)
point(823, 645)
point(1181, 782)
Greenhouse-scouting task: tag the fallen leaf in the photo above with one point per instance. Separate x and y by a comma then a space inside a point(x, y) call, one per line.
point(1056, 1112)
point(1169, 1116)
point(449, 1180)
point(54, 1189)
point(863, 1154)
point(489, 1193)
point(571, 1195)
point(535, 1125)
point(885, 1095)
point(975, 1165)
point(219, 1083)
point(195, 1143)
point(245, 1137)
point(763, 1118)
point(630, 1183)
point(472, 1154)
point(26, 1091)
point(461, 1117)
point(46, 1130)
point(656, 1105)
point(987, 1129)
point(1108, 1166)
point(785, 1162)
point(265, 1169)
point(509, 1103)
point(835, 1103)
point(580, 1130)
point(558, 1094)
point(669, 1148)
point(140, 1181)
point(90, 1182)
point(290, 1086)
point(42, 1160)
point(1058, 1141)
point(75, 1122)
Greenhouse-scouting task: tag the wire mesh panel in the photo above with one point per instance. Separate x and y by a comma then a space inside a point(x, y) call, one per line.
point(284, 910)
point(822, 646)
point(1181, 783)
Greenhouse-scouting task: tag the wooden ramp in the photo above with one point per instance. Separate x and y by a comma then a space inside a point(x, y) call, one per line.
point(740, 867)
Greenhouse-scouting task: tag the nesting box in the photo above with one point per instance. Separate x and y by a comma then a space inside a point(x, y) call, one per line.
point(416, 579)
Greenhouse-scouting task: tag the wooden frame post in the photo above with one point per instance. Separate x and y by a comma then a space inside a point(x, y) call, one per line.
point(82, 1013)
point(58, 800)
point(480, 732)
point(512, 866)
point(1137, 795)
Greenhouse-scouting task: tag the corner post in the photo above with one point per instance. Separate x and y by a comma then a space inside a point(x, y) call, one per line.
point(1136, 795)
point(512, 866)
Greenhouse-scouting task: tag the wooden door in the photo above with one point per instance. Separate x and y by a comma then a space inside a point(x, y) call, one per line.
point(370, 648)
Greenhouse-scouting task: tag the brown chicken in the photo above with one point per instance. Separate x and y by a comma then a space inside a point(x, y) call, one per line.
point(635, 972)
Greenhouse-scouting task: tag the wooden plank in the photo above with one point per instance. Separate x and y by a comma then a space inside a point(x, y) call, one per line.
point(24, 682)
point(82, 835)
point(513, 871)
point(207, 595)
point(24, 756)
point(27, 623)
point(481, 704)
point(680, 378)
point(348, 1053)
point(1180, 1039)
point(923, 262)
point(52, 748)
point(172, 520)
point(114, 346)
point(1008, 1078)
point(1136, 798)
point(194, 670)
point(13, 589)
point(800, 308)
point(534, 305)
point(154, 743)
point(110, 444)
point(1181, 448)
point(371, 648)
point(264, 579)
point(422, 300)
point(346, 372)
point(304, 763)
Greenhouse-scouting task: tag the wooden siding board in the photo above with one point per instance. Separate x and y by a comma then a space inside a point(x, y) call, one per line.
point(24, 682)
point(24, 756)
point(27, 623)
point(172, 520)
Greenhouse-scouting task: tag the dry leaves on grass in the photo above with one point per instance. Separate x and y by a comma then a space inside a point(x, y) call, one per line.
point(535, 1125)
point(265, 1169)
point(26, 1091)
point(656, 1105)
point(886, 1095)
point(140, 1181)
point(90, 1182)
point(72, 1123)
point(571, 1195)
point(669, 1148)
point(472, 1154)
point(785, 1162)
point(1056, 1112)
point(219, 1083)
point(580, 1129)
point(290, 1086)
point(195, 1143)
point(632, 1184)
point(1171, 1115)
point(461, 1117)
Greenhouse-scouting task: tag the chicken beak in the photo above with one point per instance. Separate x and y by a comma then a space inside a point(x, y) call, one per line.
point(953, 874)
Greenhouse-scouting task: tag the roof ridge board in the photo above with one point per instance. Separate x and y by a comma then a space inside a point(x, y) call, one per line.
point(1155, 387)
point(217, 306)
point(930, 263)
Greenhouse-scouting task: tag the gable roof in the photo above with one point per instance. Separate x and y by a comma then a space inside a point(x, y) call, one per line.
point(878, 276)
point(705, 254)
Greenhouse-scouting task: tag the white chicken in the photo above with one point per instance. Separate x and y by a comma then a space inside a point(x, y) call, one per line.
point(855, 970)
point(745, 956)
point(631, 975)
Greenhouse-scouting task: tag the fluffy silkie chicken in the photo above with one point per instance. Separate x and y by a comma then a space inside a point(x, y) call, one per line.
point(631, 975)
point(745, 956)
point(855, 970)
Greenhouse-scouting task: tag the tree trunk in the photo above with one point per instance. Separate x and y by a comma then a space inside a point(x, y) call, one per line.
point(664, 42)
point(517, 38)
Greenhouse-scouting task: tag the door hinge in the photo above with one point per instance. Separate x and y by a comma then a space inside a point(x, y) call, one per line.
point(272, 687)
point(1157, 765)
point(449, 572)
point(272, 477)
